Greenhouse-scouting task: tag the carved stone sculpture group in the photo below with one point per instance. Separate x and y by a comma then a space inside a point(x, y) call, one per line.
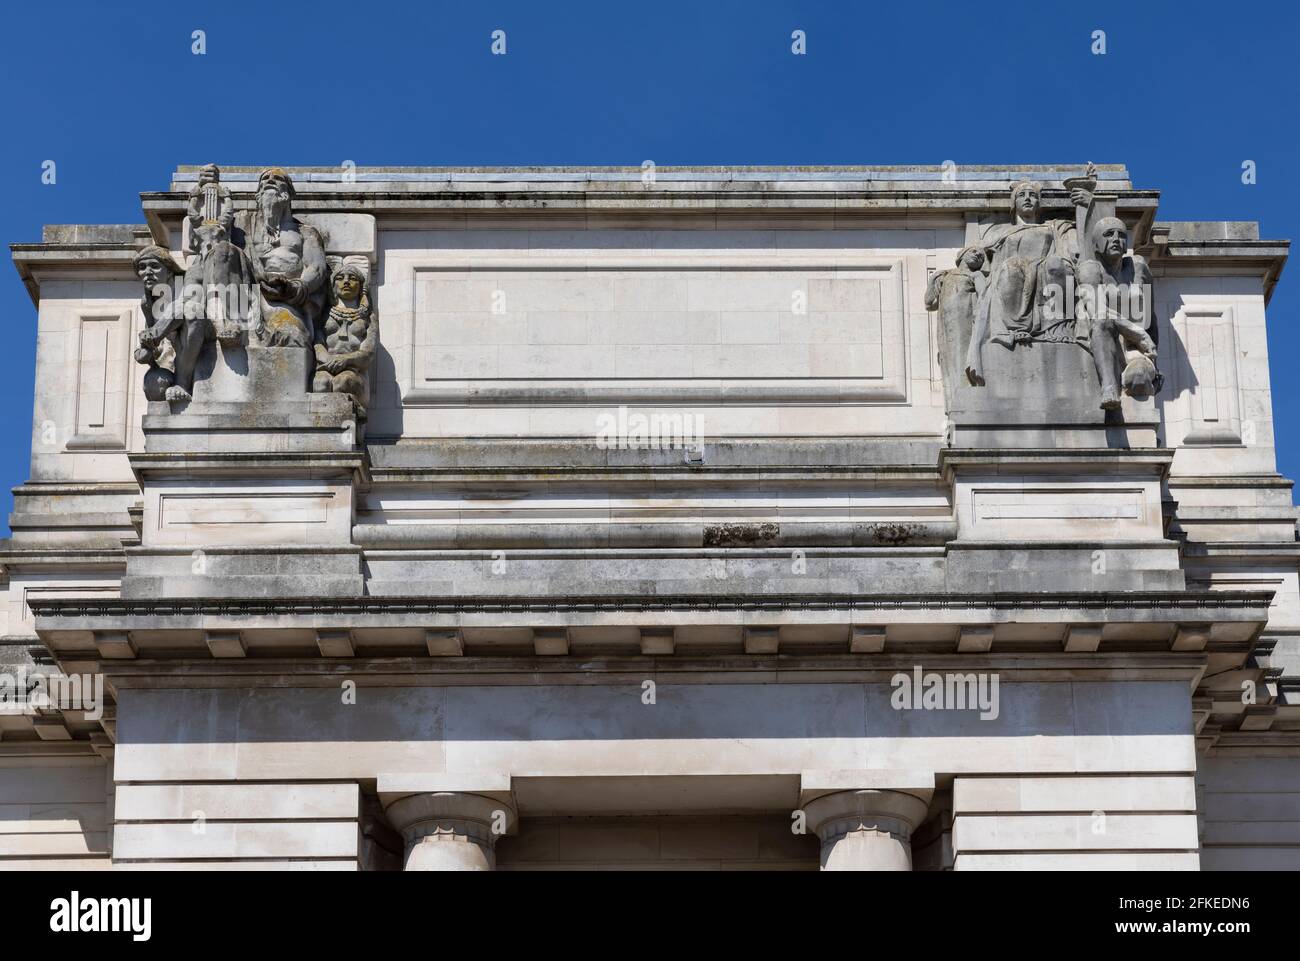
point(1030, 280)
point(255, 276)
point(259, 275)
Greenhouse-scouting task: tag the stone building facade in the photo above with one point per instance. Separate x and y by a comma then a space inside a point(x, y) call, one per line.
point(878, 517)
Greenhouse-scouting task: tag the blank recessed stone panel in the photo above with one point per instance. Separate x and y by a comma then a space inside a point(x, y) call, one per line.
point(649, 329)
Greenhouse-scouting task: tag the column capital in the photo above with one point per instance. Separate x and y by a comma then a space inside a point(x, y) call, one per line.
point(882, 811)
point(419, 815)
point(449, 830)
point(866, 830)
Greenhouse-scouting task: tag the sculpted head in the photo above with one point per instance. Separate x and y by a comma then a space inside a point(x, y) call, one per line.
point(155, 266)
point(1110, 238)
point(972, 258)
point(349, 281)
point(1026, 200)
point(274, 193)
point(209, 174)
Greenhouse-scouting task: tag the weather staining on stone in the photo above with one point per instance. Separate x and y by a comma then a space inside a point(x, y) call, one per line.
point(740, 535)
point(346, 340)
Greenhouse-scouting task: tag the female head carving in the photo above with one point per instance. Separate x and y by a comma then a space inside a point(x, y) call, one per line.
point(1026, 199)
point(349, 282)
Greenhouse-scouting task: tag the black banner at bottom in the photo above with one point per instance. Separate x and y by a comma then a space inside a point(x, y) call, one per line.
point(134, 910)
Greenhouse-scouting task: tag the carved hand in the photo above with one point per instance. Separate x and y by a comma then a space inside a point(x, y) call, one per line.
point(1080, 197)
point(273, 286)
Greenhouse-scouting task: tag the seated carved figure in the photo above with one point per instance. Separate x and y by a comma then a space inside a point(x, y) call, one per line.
point(1026, 258)
point(1043, 287)
point(219, 274)
point(173, 317)
point(1115, 291)
point(288, 263)
point(346, 340)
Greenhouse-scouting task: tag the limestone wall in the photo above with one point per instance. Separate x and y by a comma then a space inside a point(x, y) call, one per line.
point(55, 813)
point(1250, 813)
point(1216, 404)
point(237, 826)
point(1099, 822)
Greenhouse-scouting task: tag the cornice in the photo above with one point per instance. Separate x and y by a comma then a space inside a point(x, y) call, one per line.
point(1255, 602)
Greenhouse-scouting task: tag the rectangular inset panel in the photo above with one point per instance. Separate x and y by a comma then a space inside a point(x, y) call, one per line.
point(1058, 505)
point(245, 513)
point(1212, 355)
point(189, 509)
point(101, 396)
point(94, 373)
point(1060, 513)
point(664, 330)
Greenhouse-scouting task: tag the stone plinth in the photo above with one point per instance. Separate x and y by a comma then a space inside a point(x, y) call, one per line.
point(248, 489)
point(261, 405)
point(1059, 519)
point(1044, 395)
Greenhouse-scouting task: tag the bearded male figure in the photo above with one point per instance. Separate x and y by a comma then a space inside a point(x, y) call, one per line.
point(288, 259)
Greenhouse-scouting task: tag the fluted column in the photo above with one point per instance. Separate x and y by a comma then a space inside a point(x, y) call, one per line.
point(450, 831)
point(868, 830)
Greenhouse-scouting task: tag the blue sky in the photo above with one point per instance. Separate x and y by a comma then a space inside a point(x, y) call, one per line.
point(112, 93)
